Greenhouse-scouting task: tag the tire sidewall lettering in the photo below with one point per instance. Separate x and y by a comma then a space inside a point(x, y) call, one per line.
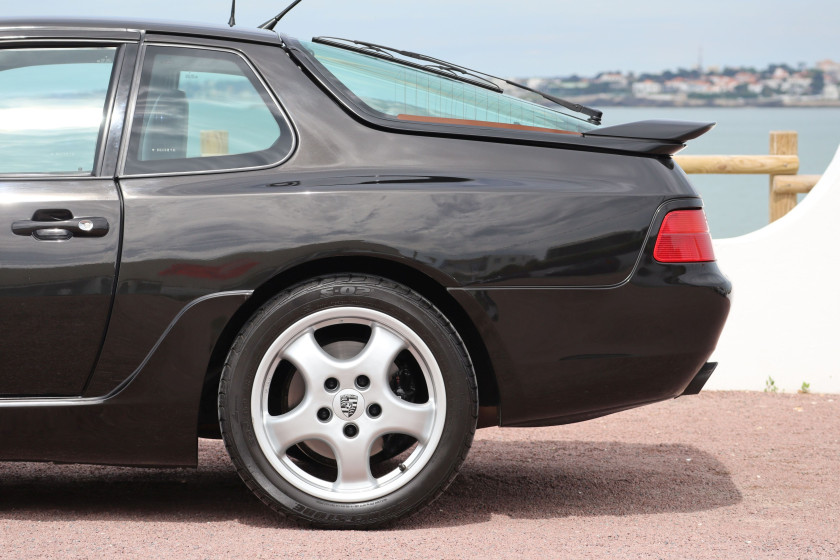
point(345, 291)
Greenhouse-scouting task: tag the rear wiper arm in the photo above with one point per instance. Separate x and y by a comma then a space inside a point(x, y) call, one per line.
point(438, 67)
point(456, 71)
point(593, 114)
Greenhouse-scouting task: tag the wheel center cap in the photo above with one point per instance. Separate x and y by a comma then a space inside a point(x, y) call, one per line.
point(348, 405)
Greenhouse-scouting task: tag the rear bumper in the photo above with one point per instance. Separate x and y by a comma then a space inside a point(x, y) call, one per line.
point(565, 355)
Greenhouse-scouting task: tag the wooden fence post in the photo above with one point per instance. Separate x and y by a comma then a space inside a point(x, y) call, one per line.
point(782, 143)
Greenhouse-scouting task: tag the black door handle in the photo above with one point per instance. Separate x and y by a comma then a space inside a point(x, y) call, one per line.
point(51, 230)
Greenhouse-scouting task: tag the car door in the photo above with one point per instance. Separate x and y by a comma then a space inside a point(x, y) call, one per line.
point(62, 104)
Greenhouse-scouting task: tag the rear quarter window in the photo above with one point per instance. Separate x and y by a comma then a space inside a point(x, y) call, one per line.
point(203, 110)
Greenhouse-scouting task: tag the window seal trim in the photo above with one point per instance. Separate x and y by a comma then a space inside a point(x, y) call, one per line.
point(135, 92)
point(22, 40)
point(116, 75)
point(128, 121)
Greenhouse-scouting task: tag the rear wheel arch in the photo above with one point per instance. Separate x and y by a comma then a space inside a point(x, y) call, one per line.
point(412, 278)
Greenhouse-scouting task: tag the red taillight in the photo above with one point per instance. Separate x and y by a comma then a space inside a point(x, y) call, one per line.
point(684, 237)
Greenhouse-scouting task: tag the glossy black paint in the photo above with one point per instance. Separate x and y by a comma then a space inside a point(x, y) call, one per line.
point(581, 353)
point(95, 29)
point(55, 296)
point(148, 421)
point(676, 132)
point(541, 253)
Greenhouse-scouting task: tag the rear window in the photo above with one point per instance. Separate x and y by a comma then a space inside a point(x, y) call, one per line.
point(399, 91)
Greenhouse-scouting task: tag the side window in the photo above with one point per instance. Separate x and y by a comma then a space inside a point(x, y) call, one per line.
point(52, 106)
point(203, 110)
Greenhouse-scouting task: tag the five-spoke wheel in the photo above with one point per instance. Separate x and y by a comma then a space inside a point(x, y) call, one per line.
point(348, 402)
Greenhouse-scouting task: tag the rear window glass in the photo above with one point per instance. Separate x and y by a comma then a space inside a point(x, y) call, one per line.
point(399, 91)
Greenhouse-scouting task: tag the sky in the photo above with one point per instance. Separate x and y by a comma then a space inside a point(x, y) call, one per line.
point(527, 37)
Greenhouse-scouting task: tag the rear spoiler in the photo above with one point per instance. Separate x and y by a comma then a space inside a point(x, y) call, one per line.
point(663, 137)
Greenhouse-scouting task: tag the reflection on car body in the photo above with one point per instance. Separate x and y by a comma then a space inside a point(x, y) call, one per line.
point(341, 264)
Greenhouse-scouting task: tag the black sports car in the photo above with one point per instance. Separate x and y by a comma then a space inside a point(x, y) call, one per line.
point(340, 257)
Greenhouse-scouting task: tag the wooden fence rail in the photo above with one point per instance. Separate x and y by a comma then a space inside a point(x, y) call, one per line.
point(782, 165)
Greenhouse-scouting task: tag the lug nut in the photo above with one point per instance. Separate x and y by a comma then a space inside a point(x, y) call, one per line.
point(351, 431)
point(324, 414)
point(362, 382)
point(331, 384)
point(374, 410)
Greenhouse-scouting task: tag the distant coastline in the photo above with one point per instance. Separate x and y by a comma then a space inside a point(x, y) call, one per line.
point(778, 85)
point(630, 101)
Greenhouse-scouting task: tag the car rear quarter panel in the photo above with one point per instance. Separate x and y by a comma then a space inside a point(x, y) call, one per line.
point(465, 212)
point(538, 244)
point(470, 214)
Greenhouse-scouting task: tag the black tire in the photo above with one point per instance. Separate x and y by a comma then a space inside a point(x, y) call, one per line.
point(414, 368)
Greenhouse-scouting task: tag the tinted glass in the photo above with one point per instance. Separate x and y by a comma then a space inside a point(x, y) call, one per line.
point(410, 94)
point(52, 105)
point(203, 110)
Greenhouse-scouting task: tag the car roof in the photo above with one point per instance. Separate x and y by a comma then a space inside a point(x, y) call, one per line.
point(75, 25)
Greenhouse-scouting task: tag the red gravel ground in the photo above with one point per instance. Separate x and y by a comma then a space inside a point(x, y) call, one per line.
point(720, 475)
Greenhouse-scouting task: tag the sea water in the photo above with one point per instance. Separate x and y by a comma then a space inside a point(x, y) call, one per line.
point(739, 204)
